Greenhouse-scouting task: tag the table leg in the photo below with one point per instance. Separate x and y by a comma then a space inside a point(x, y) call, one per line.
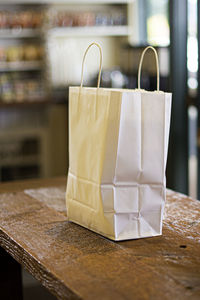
point(10, 277)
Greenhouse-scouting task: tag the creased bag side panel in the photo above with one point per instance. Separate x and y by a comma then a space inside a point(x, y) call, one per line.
point(153, 138)
point(139, 185)
point(128, 164)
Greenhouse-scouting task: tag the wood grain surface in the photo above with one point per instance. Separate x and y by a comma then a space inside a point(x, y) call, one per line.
point(75, 263)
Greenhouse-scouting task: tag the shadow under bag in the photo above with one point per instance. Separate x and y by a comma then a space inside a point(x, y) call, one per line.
point(118, 143)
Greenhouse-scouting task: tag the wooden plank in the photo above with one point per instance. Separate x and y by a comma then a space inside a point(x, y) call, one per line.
point(73, 262)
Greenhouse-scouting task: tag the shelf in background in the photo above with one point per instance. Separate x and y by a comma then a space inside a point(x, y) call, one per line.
point(33, 103)
point(25, 103)
point(19, 33)
point(20, 66)
point(22, 161)
point(89, 31)
point(40, 2)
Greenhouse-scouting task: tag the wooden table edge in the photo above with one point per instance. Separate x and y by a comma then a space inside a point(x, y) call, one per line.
point(26, 260)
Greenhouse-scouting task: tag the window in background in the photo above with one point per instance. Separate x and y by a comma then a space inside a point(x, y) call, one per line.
point(192, 84)
point(192, 48)
point(158, 23)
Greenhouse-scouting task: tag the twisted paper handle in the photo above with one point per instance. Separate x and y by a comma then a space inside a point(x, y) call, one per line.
point(100, 64)
point(157, 66)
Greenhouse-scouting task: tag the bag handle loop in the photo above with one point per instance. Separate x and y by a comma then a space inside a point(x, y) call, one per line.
point(100, 63)
point(157, 66)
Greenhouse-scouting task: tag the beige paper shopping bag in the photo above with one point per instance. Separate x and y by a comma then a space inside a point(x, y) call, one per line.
point(118, 141)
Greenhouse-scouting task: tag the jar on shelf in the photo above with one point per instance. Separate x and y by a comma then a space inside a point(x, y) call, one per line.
point(6, 89)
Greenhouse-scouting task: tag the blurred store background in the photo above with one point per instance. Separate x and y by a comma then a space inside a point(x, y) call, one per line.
point(41, 49)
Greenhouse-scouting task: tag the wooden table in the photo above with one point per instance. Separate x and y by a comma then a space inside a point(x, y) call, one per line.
point(75, 263)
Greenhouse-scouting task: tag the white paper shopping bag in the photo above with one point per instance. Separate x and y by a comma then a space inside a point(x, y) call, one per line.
point(118, 142)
